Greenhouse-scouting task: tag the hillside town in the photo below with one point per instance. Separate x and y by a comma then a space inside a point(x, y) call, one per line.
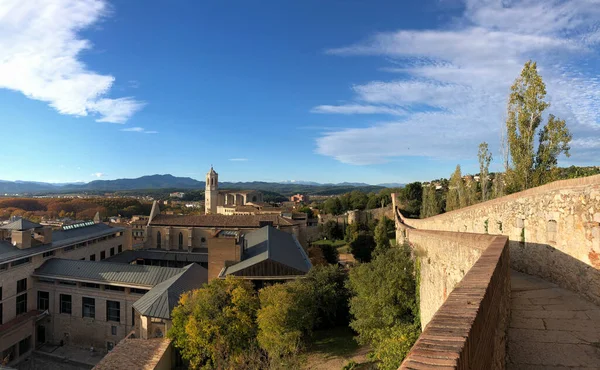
point(300, 185)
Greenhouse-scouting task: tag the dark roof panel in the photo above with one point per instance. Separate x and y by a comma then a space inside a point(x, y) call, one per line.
point(160, 300)
point(21, 224)
point(101, 272)
point(129, 256)
point(269, 243)
point(61, 238)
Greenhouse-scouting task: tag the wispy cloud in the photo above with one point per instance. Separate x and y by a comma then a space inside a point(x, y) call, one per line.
point(40, 49)
point(98, 175)
point(356, 109)
point(138, 129)
point(238, 159)
point(455, 81)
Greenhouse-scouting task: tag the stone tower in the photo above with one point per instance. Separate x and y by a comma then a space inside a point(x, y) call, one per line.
point(211, 194)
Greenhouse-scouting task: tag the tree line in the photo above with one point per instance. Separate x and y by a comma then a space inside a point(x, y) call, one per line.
point(227, 324)
point(38, 209)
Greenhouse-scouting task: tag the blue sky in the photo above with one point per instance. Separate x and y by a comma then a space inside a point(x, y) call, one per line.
point(329, 91)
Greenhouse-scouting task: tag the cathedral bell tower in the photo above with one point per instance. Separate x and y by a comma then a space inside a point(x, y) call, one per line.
point(211, 193)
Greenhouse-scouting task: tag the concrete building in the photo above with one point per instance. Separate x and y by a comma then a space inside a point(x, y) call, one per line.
point(24, 247)
point(214, 198)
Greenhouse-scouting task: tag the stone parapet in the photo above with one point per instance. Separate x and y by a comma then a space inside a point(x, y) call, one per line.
point(468, 331)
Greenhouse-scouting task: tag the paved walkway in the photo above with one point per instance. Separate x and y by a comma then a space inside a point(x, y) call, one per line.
point(550, 327)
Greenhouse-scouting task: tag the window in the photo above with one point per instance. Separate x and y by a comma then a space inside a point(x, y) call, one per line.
point(90, 285)
point(4, 266)
point(45, 281)
point(158, 240)
point(138, 291)
point(1, 314)
point(92, 257)
point(203, 240)
point(43, 300)
point(48, 254)
point(9, 354)
point(88, 307)
point(21, 304)
point(112, 251)
point(132, 317)
point(70, 283)
point(113, 330)
point(22, 285)
point(65, 303)
point(102, 255)
point(115, 288)
point(113, 311)
point(180, 240)
point(120, 248)
point(0, 293)
point(24, 345)
point(22, 261)
point(69, 248)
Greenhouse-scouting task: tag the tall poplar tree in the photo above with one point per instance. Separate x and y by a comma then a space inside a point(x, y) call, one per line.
point(456, 191)
point(530, 167)
point(430, 206)
point(485, 157)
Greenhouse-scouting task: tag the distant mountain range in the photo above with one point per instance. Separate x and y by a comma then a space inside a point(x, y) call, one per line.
point(174, 182)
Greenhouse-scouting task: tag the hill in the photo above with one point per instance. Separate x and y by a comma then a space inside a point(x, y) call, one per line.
point(170, 183)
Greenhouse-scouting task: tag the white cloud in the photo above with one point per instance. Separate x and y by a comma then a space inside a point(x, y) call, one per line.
point(357, 109)
point(98, 174)
point(455, 81)
point(39, 57)
point(138, 129)
point(238, 159)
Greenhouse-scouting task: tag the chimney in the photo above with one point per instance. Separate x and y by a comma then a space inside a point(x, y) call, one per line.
point(46, 233)
point(21, 238)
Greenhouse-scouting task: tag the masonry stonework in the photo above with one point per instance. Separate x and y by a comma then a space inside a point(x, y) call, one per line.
point(554, 231)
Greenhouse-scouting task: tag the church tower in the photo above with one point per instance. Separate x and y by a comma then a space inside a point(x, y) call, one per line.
point(211, 193)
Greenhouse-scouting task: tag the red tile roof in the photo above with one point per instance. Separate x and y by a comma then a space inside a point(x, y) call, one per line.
point(221, 221)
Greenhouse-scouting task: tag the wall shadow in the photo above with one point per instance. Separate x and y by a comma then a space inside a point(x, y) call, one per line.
point(549, 263)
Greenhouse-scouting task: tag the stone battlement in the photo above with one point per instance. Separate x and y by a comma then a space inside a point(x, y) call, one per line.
point(466, 256)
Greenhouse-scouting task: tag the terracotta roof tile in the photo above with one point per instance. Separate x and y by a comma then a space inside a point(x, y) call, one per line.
point(221, 221)
point(135, 354)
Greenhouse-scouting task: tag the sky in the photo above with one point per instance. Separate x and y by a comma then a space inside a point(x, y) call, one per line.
point(329, 91)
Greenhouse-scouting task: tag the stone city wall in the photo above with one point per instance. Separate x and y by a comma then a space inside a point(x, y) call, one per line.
point(554, 230)
point(445, 259)
point(466, 330)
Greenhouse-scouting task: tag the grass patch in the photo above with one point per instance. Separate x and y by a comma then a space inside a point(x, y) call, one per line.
point(335, 243)
point(337, 342)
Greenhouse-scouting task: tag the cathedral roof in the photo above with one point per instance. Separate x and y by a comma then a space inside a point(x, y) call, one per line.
point(221, 221)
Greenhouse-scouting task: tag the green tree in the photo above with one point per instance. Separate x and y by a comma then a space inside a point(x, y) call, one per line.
point(456, 198)
point(498, 186)
point(383, 305)
point(332, 230)
point(330, 253)
point(431, 202)
point(485, 157)
point(358, 200)
point(382, 234)
point(309, 212)
point(214, 327)
point(471, 193)
point(330, 295)
point(333, 206)
point(529, 167)
point(285, 319)
point(411, 197)
point(362, 247)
